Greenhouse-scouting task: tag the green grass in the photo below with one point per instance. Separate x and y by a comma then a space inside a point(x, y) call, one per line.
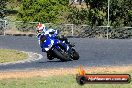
point(68, 81)
point(7, 55)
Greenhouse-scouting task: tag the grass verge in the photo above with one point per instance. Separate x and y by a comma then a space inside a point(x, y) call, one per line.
point(57, 80)
point(54, 82)
point(7, 55)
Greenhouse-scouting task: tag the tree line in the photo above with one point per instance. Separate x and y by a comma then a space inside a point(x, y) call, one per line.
point(59, 11)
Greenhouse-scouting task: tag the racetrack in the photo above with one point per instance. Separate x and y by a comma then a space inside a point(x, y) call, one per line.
point(93, 52)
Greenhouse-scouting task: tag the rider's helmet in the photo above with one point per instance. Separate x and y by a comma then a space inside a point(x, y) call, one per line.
point(40, 27)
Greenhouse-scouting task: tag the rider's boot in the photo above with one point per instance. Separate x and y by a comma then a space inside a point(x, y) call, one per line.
point(66, 41)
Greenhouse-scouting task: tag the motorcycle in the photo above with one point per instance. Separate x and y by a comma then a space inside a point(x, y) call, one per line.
point(56, 48)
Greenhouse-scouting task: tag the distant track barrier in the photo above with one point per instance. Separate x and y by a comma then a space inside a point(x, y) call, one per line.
point(18, 28)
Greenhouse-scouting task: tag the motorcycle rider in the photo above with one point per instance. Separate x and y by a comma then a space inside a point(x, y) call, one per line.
point(42, 30)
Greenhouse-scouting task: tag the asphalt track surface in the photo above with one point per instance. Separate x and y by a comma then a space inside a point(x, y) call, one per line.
point(93, 52)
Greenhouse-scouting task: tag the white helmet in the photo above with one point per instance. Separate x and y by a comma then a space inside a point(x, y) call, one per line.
point(40, 27)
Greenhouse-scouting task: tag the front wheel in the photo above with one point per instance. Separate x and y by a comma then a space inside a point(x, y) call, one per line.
point(61, 55)
point(75, 55)
point(50, 55)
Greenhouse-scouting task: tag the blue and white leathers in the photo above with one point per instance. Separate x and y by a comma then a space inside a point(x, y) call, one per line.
point(46, 32)
point(51, 40)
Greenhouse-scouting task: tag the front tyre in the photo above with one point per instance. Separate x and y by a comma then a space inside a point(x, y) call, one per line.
point(75, 55)
point(61, 55)
point(50, 55)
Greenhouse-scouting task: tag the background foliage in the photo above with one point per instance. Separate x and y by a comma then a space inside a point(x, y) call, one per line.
point(121, 12)
point(42, 10)
point(2, 7)
point(91, 12)
point(59, 11)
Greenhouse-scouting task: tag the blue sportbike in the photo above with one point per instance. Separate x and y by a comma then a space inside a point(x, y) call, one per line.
point(56, 48)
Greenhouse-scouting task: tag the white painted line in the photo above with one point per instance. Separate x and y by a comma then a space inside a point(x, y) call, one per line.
point(31, 57)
